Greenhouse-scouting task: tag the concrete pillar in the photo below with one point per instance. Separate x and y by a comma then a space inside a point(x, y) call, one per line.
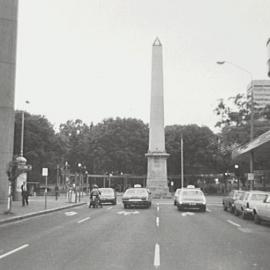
point(268, 57)
point(8, 35)
point(157, 156)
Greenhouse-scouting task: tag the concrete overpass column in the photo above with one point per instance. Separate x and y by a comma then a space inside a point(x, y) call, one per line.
point(8, 36)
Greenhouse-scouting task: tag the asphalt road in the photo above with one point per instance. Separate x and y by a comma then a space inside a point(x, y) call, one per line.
point(116, 238)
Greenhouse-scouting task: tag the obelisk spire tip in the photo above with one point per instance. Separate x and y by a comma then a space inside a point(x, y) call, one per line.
point(157, 42)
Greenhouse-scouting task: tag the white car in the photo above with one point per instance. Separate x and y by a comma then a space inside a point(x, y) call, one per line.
point(191, 198)
point(175, 197)
point(262, 211)
point(247, 202)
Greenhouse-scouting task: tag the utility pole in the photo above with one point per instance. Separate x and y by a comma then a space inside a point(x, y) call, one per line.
point(182, 162)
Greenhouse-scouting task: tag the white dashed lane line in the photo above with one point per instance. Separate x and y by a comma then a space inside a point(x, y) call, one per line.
point(233, 223)
point(13, 251)
point(83, 220)
point(157, 221)
point(157, 256)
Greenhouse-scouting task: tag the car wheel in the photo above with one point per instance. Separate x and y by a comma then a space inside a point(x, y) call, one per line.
point(203, 209)
point(125, 206)
point(179, 208)
point(114, 203)
point(232, 209)
point(236, 213)
point(224, 207)
point(243, 215)
point(257, 219)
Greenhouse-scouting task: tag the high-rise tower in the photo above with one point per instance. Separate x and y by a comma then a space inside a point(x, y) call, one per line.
point(157, 156)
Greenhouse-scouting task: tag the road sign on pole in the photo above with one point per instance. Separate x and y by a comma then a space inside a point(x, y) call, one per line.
point(250, 176)
point(45, 173)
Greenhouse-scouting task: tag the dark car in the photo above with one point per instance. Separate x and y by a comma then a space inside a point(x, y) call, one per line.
point(228, 201)
point(108, 195)
point(136, 197)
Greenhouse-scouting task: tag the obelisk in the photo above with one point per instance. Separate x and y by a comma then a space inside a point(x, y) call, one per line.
point(157, 156)
point(8, 37)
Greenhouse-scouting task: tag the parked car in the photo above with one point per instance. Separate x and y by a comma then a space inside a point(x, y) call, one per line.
point(108, 195)
point(175, 197)
point(261, 211)
point(228, 201)
point(246, 203)
point(137, 197)
point(191, 198)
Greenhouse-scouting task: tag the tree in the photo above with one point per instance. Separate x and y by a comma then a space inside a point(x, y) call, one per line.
point(200, 149)
point(41, 147)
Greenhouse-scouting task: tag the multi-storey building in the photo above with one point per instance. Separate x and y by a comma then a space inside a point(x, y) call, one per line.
point(261, 93)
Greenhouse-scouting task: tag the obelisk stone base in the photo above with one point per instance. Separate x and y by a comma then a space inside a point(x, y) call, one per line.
point(157, 181)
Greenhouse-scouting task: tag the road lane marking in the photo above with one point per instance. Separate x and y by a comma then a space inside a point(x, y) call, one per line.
point(72, 213)
point(157, 221)
point(83, 220)
point(233, 223)
point(125, 213)
point(109, 208)
point(187, 214)
point(158, 208)
point(13, 251)
point(245, 230)
point(157, 256)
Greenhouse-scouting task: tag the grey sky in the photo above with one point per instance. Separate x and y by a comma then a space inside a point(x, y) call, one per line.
point(91, 59)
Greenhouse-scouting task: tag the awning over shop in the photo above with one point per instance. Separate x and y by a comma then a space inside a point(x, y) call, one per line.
point(260, 145)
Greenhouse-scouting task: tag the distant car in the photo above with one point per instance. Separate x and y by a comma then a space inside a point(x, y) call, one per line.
point(246, 203)
point(261, 211)
point(108, 195)
point(228, 201)
point(176, 195)
point(191, 198)
point(136, 197)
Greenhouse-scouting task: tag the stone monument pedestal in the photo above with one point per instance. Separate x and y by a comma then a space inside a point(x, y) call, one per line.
point(157, 174)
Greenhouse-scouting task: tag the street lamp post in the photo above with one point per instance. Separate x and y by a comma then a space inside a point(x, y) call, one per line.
point(251, 153)
point(22, 131)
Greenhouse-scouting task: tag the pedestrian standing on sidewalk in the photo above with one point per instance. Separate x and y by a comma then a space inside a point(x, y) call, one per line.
point(56, 192)
point(24, 194)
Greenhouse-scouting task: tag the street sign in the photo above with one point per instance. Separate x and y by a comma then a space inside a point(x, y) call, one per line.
point(250, 176)
point(44, 171)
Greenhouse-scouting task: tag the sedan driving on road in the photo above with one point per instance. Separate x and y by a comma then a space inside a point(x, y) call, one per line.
point(191, 198)
point(136, 197)
point(108, 195)
point(176, 196)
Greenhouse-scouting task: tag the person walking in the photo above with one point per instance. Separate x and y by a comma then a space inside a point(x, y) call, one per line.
point(56, 192)
point(24, 194)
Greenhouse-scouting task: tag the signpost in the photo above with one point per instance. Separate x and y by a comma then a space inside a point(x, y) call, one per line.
point(45, 173)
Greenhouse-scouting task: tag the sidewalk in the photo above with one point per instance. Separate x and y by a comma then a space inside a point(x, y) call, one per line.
point(37, 207)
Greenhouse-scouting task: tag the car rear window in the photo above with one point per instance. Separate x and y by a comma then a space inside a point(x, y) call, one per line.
point(192, 193)
point(258, 197)
point(106, 191)
point(136, 191)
